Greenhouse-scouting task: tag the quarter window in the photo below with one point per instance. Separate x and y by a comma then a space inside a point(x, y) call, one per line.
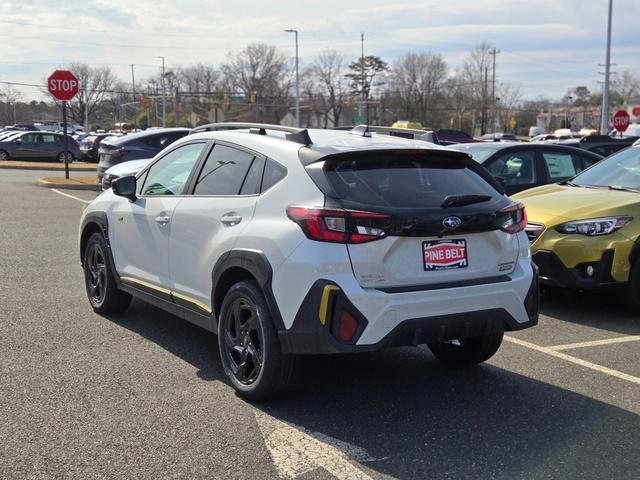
point(273, 173)
point(224, 172)
point(169, 175)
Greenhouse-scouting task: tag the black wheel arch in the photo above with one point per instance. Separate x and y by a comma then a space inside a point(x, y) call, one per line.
point(96, 222)
point(244, 264)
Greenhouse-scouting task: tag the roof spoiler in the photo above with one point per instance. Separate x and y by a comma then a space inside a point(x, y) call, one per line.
point(410, 133)
point(297, 135)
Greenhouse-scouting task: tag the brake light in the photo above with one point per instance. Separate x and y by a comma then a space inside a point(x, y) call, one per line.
point(340, 226)
point(517, 219)
point(120, 153)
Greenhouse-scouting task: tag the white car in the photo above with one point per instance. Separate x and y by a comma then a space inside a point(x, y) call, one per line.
point(288, 242)
point(124, 169)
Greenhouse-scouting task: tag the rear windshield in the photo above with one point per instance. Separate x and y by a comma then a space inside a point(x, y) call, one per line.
point(404, 180)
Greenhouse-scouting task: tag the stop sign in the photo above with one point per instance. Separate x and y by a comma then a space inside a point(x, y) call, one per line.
point(636, 111)
point(63, 85)
point(621, 120)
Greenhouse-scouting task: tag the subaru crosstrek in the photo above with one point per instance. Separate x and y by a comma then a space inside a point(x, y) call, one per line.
point(287, 242)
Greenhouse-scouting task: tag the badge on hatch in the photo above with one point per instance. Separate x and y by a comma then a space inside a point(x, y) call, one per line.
point(444, 254)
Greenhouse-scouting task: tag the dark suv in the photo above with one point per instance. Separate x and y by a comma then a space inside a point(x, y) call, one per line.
point(135, 146)
point(601, 144)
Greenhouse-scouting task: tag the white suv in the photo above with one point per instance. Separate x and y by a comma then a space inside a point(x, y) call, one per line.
point(287, 241)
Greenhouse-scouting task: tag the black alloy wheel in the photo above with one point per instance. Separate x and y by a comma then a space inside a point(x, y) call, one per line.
point(243, 341)
point(96, 266)
point(4, 155)
point(68, 155)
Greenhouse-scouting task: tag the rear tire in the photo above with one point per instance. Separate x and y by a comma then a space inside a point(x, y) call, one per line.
point(4, 155)
point(633, 288)
point(100, 283)
point(249, 347)
point(467, 351)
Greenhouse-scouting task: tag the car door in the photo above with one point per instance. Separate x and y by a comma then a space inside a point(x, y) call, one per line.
point(517, 169)
point(206, 224)
point(139, 230)
point(50, 145)
point(25, 146)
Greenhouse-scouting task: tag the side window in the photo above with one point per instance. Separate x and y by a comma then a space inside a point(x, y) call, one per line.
point(586, 162)
point(273, 173)
point(48, 138)
point(601, 150)
point(28, 138)
point(224, 171)
point(517, 168)
point(169, 175)
point(251, 185)
point(559, 165)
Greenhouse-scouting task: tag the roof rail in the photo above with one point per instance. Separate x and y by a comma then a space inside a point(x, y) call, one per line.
point(410, 133)
point(293, 134)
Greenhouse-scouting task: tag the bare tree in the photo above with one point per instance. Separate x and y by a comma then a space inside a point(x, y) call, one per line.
point(96, 85)
point(509, 99)
point(262, 72)
point(626, 87)
point(10, 96)
point(476, 73)
point(417, 79)
point(362, 75)
point(331, 85)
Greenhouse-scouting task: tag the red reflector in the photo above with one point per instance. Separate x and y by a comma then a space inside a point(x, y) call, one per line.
point(348, 327)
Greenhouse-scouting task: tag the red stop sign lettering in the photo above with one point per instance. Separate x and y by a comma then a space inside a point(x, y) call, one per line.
point(63, 85)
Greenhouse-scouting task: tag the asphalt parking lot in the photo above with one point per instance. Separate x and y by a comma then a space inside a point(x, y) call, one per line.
point(142, 395)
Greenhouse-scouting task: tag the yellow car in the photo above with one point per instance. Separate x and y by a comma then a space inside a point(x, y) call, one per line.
point(585, 232)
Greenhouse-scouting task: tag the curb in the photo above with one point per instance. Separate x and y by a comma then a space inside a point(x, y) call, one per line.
point(49, 169)
point(66, 186)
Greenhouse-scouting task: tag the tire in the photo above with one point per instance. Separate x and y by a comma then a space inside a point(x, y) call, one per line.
point(633, 288)
point(4, 155)
point(468, 351)
point(102, 291)
point(61, 156)
point(249, 346)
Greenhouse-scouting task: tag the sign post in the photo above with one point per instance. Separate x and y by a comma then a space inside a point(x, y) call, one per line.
point(621, 121)
point(63, 85)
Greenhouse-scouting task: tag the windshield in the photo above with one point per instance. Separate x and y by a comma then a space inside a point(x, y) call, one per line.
point(478, 151)
point(621, 170)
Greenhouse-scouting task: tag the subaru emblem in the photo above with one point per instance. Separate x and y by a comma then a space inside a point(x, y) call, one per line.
point(451, 223)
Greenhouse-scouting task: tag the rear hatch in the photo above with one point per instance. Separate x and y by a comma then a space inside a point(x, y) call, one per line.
point(439, 218)
point(108, 147)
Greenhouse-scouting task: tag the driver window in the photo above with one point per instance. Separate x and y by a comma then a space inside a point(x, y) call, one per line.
point(517, 168)
point(169, 175)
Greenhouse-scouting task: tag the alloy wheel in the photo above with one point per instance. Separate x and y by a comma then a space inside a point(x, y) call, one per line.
point(97, 269)
point(243, 341)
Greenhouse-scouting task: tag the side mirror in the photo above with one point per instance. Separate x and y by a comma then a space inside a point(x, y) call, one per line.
point(18, 141)
point(125, 187)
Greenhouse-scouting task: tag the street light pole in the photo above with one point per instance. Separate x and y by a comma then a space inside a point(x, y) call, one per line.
point(297, 80)
point(164, 98)
point(133, 90)
point(604, 120)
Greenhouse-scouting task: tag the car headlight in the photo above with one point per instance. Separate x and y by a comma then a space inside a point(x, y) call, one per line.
point(595, 226)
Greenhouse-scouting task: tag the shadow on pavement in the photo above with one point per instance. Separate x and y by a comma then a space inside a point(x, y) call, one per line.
point(421, 420)
point(602, 310)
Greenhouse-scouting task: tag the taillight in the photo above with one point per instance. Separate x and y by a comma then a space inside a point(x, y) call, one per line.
point(517, 219)
point(120, 153)
point(340, 226)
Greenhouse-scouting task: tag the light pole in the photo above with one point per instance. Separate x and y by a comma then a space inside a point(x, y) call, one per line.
point(164, 99)
point(133, 90)
point(604, 120)
point(297, 80)
point(566, 121)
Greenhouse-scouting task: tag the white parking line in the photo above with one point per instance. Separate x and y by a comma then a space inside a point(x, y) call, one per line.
point(595, 343)
point(70, 196)
point(296, 451)
point(577, 361)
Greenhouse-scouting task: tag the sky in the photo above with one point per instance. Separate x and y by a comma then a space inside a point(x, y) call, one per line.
point(547, 46)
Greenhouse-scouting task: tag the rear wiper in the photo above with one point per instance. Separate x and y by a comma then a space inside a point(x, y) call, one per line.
point(461, 200)
point(623, 189)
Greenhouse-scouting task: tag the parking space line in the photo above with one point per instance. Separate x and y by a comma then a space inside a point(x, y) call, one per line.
point(577, 361)
point(70, 196)
point(595, 343)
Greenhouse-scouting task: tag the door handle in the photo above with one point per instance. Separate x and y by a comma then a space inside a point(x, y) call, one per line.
point(230, 219)
point(163, 220)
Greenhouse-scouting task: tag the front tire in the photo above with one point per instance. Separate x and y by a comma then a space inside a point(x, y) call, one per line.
point(633, 288)
point(249, 346)
point(100, 283)
point(4, 155)
point(69, 156)
point(467, 351)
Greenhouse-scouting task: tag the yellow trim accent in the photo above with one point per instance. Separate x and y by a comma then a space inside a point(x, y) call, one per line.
point(193, 301)
point(324, 302)
point(146, 284)
point(166, 291)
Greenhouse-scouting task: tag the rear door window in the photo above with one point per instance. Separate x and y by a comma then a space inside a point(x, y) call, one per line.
point(560, 165)
point(403, 180)
point(224, 172)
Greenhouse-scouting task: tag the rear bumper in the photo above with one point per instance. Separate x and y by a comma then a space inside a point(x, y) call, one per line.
point(555, 274)
point(313, 334)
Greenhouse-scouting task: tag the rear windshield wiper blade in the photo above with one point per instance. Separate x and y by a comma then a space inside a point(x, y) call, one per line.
point(461, 200)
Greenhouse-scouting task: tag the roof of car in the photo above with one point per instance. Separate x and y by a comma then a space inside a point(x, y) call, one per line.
point(323, 142)
point(147, 133)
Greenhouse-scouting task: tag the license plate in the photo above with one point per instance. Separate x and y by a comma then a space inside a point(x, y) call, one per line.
point(444, 254)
